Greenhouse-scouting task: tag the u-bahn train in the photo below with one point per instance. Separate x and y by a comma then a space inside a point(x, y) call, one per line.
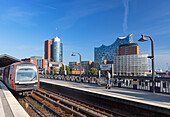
point(21, 77)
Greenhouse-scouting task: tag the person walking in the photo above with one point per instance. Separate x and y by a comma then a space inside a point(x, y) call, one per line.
point(108, 78)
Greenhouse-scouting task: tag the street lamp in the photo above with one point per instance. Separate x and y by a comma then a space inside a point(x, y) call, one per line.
point(80, 60)
point(151, 57)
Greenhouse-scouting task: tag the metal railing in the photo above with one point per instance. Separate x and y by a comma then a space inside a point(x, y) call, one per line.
point(132, 82)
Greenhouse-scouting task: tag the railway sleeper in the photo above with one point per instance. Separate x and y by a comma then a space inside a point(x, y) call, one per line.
point(78, 107)
point(50, 109)
point(61, 105)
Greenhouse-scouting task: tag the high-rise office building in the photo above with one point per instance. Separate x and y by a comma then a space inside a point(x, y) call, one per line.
point(57, 50)
point(54, 50)
point(48, 46)
point(107, 52)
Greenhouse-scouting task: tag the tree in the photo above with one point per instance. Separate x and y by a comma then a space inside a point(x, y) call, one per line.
point(47, 72)
point(93, 71)
point(104, 73)
point(54, 71)
point(67, 69)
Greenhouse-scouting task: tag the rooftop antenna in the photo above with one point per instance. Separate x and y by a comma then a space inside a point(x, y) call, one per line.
point(56, 31)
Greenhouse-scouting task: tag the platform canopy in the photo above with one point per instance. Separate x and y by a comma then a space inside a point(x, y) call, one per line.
point(7, 60)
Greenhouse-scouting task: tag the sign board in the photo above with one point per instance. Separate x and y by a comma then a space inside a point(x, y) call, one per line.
point(128, 72)
point(106, 67)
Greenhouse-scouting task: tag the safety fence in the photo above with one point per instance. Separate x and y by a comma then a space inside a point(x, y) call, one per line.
point(162, 84)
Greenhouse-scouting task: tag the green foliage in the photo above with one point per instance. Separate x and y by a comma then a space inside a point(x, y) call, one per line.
point(47, 71)
point(62, 69)
point(93, 71)
point(68, 70)
point(104, 73)
point(54, 71)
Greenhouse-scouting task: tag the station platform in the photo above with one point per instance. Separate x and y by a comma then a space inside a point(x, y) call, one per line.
point(160, 102)
point(9, 106)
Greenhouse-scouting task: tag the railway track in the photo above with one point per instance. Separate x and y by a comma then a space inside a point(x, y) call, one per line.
point(74, 106)
point(40, 109)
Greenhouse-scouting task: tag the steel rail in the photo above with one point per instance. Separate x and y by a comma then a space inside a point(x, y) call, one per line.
point(53, 111)
point(71, 110)
point(82, 106)
point(40, 113)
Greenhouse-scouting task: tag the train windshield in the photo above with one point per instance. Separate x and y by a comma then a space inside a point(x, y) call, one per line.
point(26, 72)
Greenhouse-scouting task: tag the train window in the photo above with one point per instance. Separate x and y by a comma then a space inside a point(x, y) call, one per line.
point(0, 72)
point(6, 71)
point(26, 72)
point(11, 73)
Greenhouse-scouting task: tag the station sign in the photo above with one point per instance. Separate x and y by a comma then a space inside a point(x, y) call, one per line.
point(105, 66)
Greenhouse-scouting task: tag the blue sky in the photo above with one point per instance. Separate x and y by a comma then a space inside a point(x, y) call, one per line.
point(83, 25)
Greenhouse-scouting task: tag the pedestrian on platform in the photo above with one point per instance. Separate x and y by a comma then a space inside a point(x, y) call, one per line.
point(108, 78)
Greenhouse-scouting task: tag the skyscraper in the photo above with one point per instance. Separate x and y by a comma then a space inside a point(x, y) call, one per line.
point(48, 45)
point(57, 50)
point(54, 50)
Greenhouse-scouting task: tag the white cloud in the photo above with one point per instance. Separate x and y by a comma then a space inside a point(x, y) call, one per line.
point(126, 6)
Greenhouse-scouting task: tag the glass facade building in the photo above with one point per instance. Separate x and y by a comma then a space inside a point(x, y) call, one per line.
point(131, 64)
point(38, 61)
point(107, 52)
point(57, 50)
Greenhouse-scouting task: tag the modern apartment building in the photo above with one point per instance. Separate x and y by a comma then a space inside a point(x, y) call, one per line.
point(97, 64)
point(76, 70)
point(128, 49)
point(42, 63)
point(38, 60)
point(131, 64)
point(54, 50)
point(86, 65)
point(107, 52)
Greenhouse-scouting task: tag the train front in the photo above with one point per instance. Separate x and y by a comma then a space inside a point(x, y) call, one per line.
point(26, 77)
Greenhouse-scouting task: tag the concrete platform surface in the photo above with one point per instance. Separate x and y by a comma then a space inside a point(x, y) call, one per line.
point(9, 106)
point(144, 97)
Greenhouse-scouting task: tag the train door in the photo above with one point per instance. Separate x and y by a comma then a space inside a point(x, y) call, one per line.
point(1, 73)
point(11, 72)
point(6, 75)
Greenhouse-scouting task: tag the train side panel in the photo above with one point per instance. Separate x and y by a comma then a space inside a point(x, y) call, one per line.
point(6, 75)
point(10, 79)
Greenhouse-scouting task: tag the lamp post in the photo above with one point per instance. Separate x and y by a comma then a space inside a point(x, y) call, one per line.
point(151, 57)
point(80, 60)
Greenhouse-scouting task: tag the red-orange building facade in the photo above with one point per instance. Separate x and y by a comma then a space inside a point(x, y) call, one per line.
point(44, 64)
point(48, 46)
point(128, 49)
